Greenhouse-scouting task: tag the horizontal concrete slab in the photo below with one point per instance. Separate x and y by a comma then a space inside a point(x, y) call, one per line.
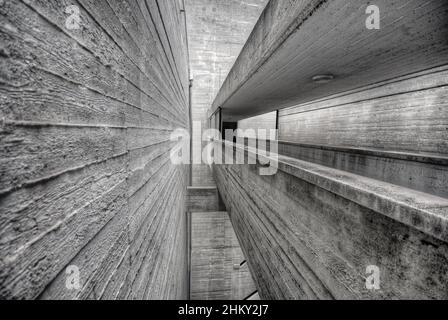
point(296, 40)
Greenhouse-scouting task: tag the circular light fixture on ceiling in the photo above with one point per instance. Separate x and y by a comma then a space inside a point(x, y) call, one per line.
point(323, 78)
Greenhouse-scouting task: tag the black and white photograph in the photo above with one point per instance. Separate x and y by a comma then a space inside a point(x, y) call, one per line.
point(225, 155)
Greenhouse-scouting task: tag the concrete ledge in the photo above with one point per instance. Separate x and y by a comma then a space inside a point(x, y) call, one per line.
point(422, 211)
point(311, 232)
point(425, 173)
point(415, 157)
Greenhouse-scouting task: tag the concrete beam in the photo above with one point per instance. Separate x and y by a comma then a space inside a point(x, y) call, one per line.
point(296, 40)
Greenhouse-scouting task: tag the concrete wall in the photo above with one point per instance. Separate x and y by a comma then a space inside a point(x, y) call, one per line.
point(406, 114)
point(85, 175)
point(264, 122)
point(204, 200)
point(348, 164)
point(394, 131)
point(311, 232)
point(218, 269)
point(363, 158)
point(217, 30)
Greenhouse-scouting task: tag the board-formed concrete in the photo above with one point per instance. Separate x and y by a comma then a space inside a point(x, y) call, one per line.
point(393, 131)
point(217, 31)
point(266, 122)
point(218, 267)
point(405, 114)
point(294, 41)
point(91, 206)
point(204, 199)
point(363, 157)
point(86, 182)
point(313, 232)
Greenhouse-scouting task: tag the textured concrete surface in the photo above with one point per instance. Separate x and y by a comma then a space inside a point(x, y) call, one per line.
point(297, 40)
point(264, 122)
point(362, 180)
point(85, 174)
point(86, 178)
point(393, 131)
point(405, 114)
point(311, 231)
point(218, 271)
point(217, 31)
point(218, 267)
point(425, 173)
point(202, 199)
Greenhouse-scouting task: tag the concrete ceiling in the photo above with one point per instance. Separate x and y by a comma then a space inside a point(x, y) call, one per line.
point(297, 40)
